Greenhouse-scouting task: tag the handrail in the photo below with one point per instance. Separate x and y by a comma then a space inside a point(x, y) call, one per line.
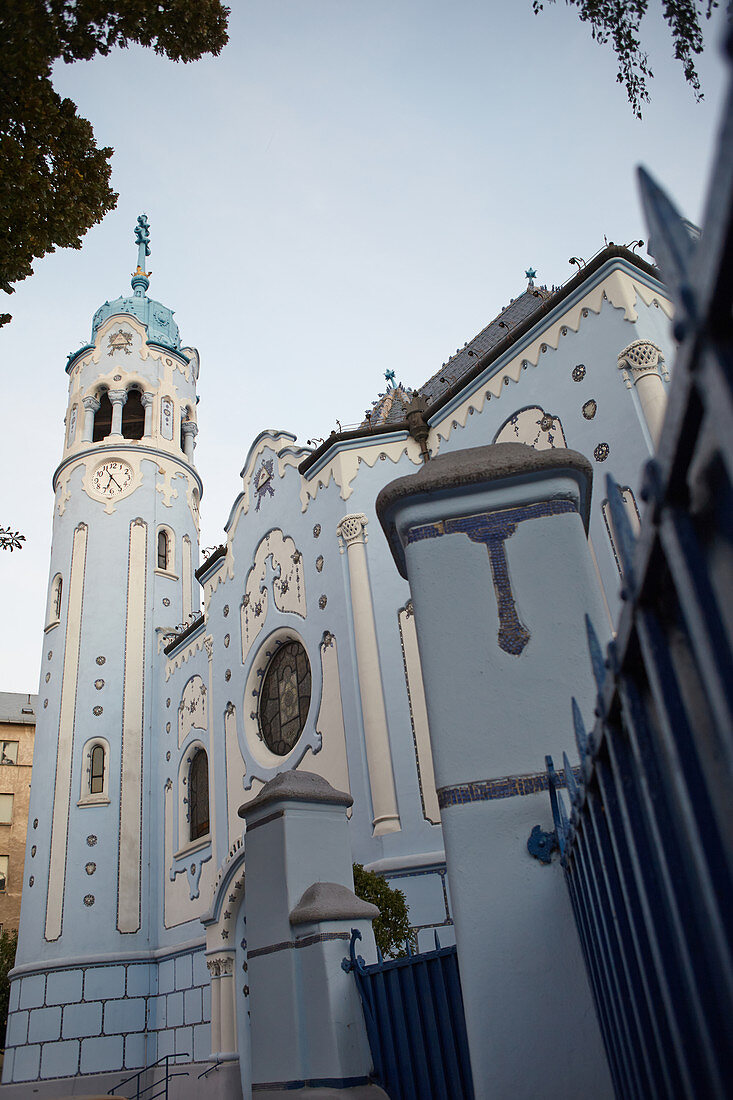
point(219, 1062)
point(137, 1076)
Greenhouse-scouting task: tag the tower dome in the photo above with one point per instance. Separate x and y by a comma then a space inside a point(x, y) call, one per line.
point(156, 317)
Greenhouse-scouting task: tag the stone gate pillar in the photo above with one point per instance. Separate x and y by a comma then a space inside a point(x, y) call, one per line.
point(493, 543)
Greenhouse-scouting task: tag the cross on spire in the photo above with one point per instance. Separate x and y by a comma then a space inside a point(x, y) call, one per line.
point(140, 281)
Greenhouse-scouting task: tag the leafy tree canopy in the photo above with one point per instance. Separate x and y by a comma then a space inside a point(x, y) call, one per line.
point(54, 182)
point(392, 926)
point(619, 22)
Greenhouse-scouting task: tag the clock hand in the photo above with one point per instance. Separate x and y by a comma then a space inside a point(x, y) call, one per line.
point(115, 481)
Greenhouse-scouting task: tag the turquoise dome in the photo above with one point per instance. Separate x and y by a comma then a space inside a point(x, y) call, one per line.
point(156, 317)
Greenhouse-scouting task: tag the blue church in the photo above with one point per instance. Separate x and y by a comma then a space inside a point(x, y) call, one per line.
point(182, 699)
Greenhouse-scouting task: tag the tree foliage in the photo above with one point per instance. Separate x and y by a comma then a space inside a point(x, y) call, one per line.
point(619, 22)
point(8, 947)
point(392, 926)
point(55, 180)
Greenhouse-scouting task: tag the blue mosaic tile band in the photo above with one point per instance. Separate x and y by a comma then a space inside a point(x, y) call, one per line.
point(506, 786)
point(291, 945)
point(492, 529)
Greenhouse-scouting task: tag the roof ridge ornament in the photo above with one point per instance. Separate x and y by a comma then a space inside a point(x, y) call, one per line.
point(140, 277)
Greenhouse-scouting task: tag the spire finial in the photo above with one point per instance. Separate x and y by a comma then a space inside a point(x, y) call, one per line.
point(390, 376)
point(140, 277)
point(530, 274)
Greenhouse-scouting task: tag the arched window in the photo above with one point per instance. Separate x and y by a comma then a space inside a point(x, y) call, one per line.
point(198, 795)
point(163, 549)
point(95, 773)
point(133, 416)
point(185, 415)
point(102, 419)
point(54, 601)
point(96, 770)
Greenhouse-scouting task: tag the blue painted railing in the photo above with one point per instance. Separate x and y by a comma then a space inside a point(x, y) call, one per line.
point(646, 842)
point(413, 1009)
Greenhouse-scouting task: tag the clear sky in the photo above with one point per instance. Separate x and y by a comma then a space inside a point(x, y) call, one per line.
point(352, 186)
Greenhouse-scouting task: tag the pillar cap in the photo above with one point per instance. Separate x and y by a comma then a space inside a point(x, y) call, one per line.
point(447, 474)
point(330, 901)
point(292, 786)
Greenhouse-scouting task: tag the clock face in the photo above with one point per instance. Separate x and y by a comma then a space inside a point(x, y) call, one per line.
point(112, 479)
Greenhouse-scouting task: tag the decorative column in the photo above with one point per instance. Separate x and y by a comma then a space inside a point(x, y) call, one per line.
point(300, 911)
point(91, 406)
point(213, 965)
point(146, 399)
point(351, 532)
point(190, 431)
point(118, 399)
point(493, 542)
point(642, 365)
point(223, 1017)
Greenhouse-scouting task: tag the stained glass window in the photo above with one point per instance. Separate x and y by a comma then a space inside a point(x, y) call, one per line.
point(285, 698)
point(96, 774)
point(198, 795)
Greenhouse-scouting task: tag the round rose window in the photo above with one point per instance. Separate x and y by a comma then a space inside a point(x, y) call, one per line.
point(285, 698)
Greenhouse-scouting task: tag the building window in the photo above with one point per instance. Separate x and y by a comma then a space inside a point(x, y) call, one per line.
point(8, 752)
point(96, 770)
point(95, 773)
point(133, 416)
point(4, 861)
point(6, 809)
point(54, 601)
point(162, 549)
point(102, 419)
point(285, 698)
point(198, 795)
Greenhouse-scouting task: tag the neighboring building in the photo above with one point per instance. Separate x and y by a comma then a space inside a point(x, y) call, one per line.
point(17, 729)
point(156, 721)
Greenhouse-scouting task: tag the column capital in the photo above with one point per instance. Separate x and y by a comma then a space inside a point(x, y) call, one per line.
point(641, 358)
point(351, 530)
point(117, 397)
point(189, 427)
point(146, 398)
point(91, 404)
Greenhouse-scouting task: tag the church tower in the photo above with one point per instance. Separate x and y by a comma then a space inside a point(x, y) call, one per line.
point(125, 545)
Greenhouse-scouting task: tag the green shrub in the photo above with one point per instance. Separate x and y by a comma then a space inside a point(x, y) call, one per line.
point(392, 926)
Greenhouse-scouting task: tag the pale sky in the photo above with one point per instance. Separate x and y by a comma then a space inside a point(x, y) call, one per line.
point(352, 186)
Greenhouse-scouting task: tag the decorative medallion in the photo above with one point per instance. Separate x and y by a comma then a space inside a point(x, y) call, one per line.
point(547, 422)
point(167, 727)
point(45, 703)
point(90, 868)
point(120, 341)
point(91, 840)
point(228, 675)
point(316, 530)
point(168, 755)
point(35, 822)
point(100, 660)
point(322, 601)
point(31, 880)
point(89, 900)
point(96, 711)
point(263, 481)
point(319, 563)
point(382, 456)
point(33, 851)
point(48, 676)
point(227, 639)
point(168, 702)
point(601, 452)
point(49, 655)
point(590, 409)
point(117, 378)
point(166, 602)
point(225, 611)
point(579, 373)
point(328, 639)
point(99, 684)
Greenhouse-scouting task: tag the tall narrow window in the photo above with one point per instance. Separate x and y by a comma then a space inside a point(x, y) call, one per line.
point(96, 770)
point(57, 597)
point(133, 416)
point(162, 549)
point(102, 419)
point(198, 795)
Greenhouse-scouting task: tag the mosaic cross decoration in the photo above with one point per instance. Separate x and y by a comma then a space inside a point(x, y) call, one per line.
point(263, 481)
point(493, 529)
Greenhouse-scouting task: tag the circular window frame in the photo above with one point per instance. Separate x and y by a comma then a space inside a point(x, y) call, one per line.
point(255, 678)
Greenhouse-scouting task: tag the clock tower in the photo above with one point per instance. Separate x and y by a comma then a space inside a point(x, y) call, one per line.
point(125, 545)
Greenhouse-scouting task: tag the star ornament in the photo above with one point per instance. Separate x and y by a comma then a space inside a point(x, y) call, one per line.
point(530, 273)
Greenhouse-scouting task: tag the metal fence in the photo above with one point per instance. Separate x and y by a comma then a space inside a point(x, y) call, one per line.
point(413, 1008)
point(646, 842)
